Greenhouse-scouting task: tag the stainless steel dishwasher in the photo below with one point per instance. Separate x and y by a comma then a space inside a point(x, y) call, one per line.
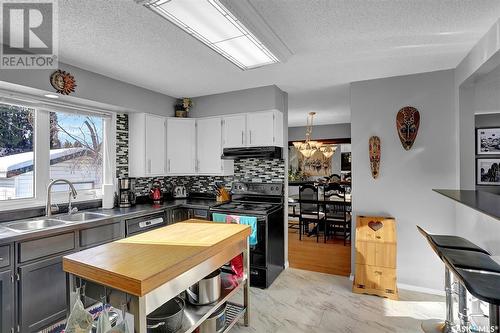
point(145, 223)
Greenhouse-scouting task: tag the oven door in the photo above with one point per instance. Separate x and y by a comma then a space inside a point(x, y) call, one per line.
point(258, 252)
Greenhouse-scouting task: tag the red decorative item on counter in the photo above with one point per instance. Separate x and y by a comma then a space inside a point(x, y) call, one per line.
point(155, 193)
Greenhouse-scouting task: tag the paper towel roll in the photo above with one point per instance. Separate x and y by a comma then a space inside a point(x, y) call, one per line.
point(108, 196)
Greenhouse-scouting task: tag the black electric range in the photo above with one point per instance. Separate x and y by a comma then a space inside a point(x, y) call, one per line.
point(266, 203)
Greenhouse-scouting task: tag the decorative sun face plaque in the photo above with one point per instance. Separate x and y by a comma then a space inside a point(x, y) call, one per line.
point(63, 82)
point(407, 123)
point(374, 148)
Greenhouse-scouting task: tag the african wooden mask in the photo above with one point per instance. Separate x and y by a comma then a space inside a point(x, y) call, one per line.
point(374, 148)
point(407, 123)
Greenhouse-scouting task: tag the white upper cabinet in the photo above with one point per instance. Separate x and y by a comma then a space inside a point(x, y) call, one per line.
point(260, 129)
point(254, 129)
point(265, 128)
point(160, 146)
point(209, 148)
point(181, 146)
point(147, 145)
point(234, 131)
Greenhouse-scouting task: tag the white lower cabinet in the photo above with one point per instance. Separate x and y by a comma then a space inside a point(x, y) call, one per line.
point(181, 146)
point(209, 148)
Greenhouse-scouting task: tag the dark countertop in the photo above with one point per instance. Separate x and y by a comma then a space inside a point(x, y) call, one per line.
point(484, 202)
point(113, 215)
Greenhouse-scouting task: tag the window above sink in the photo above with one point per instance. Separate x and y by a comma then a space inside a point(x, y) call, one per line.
point(40, 142)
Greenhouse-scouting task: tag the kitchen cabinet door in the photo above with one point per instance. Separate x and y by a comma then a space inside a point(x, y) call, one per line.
point(263, 129)
point(180, 214)
point(41, 294)
point(209, 145)
point(181, 146)
point(147, 145)
point(209, 148)
point(7, 301)
point(155, 145)
point(234, 131)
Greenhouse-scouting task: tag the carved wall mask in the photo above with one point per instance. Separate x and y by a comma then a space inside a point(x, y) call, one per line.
point(374, 148)
point(407, 123)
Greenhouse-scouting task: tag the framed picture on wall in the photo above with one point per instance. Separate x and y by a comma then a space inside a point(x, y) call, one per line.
point(488, 171)
point(488, 141)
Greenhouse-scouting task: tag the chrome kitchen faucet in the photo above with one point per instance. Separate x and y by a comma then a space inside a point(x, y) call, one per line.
point(72, 193)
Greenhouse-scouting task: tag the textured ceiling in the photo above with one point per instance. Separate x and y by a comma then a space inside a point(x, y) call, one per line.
point(333, 42)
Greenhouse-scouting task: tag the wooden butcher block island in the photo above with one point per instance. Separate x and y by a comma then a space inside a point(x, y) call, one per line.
point(143, 272)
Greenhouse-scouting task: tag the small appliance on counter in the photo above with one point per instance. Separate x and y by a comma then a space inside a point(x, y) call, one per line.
point(180, 192)
point(125, 192)
point(155, 193)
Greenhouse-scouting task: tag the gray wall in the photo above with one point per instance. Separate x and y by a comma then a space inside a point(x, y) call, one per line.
point(95, 87)
point(479, 107)
point(240, 101)
point(334, 131)
point(404, 187)
point(477, 83)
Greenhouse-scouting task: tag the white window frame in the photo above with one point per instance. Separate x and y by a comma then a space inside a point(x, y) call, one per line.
point(41, 148)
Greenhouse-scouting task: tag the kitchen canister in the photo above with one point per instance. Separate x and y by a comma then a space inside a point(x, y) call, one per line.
point(205, 291)
point(108, 196)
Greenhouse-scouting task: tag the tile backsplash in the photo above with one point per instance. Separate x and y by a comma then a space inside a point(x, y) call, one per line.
point(249, 169)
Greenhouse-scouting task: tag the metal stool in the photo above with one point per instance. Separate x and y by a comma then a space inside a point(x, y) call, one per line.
point(483, 285)
point(452, 243)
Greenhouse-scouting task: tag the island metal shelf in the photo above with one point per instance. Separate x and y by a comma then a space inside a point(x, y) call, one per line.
point(195, 315)
point(184, 254)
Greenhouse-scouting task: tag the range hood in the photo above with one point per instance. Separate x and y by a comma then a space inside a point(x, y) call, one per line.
point(247, 152)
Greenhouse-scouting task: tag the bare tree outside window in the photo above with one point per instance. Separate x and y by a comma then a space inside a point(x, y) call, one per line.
point(76, 149)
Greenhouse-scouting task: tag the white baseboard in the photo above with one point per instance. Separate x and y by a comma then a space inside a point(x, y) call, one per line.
point(421, 289)
point(411, 287)
point(287, 264)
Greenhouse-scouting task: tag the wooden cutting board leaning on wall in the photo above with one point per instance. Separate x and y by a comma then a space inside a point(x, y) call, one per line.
point(376, 247)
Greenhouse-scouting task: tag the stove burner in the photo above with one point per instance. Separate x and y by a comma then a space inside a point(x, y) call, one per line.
point(254, 207)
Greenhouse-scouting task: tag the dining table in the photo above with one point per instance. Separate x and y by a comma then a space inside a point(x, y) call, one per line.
point(323, 201)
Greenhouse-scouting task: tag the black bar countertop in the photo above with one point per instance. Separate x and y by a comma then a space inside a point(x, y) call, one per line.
point(484, 202)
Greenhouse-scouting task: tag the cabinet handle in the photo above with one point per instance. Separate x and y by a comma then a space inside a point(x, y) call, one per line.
point(1, 259)
point(242, 135)
point(168, 165)
point(149, 165)
point(250, 137)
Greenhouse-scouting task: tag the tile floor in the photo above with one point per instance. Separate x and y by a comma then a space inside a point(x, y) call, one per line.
point(303, 301)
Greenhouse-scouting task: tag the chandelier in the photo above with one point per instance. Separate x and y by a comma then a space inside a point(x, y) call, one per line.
point(309, 147)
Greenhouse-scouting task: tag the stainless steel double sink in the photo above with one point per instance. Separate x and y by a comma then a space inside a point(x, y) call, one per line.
point(47, 223)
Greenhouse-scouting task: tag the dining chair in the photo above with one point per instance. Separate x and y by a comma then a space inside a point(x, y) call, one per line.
point(337, 211)
point(309, 210)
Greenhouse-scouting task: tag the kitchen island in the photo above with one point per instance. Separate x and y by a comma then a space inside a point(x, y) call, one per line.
point(145, 271)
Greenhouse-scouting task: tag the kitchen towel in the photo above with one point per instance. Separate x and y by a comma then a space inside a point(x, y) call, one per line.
point(252, 222)
point(247, 220)
point(216, 217)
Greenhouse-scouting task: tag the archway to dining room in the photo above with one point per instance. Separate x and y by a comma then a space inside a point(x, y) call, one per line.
point(319, 203)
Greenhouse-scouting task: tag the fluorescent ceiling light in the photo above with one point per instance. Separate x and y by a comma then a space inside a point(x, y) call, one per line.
point(214, 25)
